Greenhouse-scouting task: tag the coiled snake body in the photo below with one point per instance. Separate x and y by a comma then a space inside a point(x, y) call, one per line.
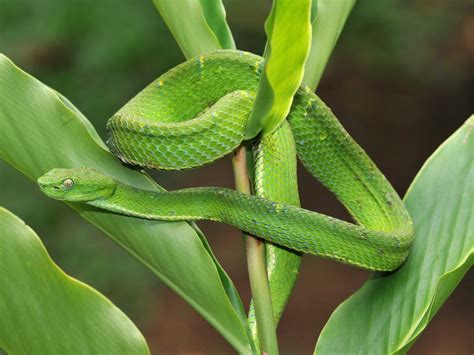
point(196, 113)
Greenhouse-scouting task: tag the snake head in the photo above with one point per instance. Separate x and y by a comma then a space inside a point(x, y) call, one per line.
point(76, 185)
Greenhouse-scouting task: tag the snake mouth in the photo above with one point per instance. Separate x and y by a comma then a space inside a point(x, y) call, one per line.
point(51, 186)
point(50, 190)
point(45, 183)
point(76, 184)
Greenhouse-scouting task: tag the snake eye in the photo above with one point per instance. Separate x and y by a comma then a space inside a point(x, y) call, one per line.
point(68, 184)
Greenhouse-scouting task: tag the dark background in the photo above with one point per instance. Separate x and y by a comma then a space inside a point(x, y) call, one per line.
point(401, 81)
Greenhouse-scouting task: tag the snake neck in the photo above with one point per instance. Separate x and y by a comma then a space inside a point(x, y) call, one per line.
point(187, 204)
point(289, 226)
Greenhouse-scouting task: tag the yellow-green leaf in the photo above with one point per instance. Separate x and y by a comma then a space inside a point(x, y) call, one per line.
point(391, 310)
point(288, 31)
point(45, 311)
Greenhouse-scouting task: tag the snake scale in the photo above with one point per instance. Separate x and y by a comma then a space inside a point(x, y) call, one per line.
point(196, 113)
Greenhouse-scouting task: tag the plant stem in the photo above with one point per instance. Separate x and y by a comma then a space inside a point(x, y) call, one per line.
point(241, 174)
point(256, 266)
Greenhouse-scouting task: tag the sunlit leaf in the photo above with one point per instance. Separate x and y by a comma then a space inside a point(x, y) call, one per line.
point(44, 311)
point(288, 31)
point(41, 130)
point(199, 26)
point(391, 310)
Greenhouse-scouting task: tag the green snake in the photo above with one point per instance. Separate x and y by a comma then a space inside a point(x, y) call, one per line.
point(196, 113)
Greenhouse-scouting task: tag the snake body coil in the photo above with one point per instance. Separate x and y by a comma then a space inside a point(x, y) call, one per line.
point(196, 113)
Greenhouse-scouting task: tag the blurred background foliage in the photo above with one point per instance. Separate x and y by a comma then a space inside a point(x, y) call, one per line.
point(401, 80)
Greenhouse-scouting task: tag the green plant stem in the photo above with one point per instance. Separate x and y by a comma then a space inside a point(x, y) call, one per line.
point(256, 266)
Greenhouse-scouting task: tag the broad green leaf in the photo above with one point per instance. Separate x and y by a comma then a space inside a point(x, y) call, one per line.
point(45, 311)
point(391, 310)
point(288, 31)
point(41, 130)
point(199, 26)
point(328, 18)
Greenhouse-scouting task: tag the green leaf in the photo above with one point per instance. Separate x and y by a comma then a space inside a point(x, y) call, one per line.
point(199, 26)
point(214, 13)
point(41, 130)
point(328, 18)
point(288, 31)
point(391, 310)
point(45, 311)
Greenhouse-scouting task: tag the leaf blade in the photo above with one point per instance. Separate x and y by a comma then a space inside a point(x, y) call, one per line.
point(288, 29)
point(198, 26)
point(49, 306)
point(327, 22)
point(40, 130)
point(214, 13)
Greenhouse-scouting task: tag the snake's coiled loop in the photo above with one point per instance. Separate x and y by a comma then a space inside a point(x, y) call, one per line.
point(197, 113)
